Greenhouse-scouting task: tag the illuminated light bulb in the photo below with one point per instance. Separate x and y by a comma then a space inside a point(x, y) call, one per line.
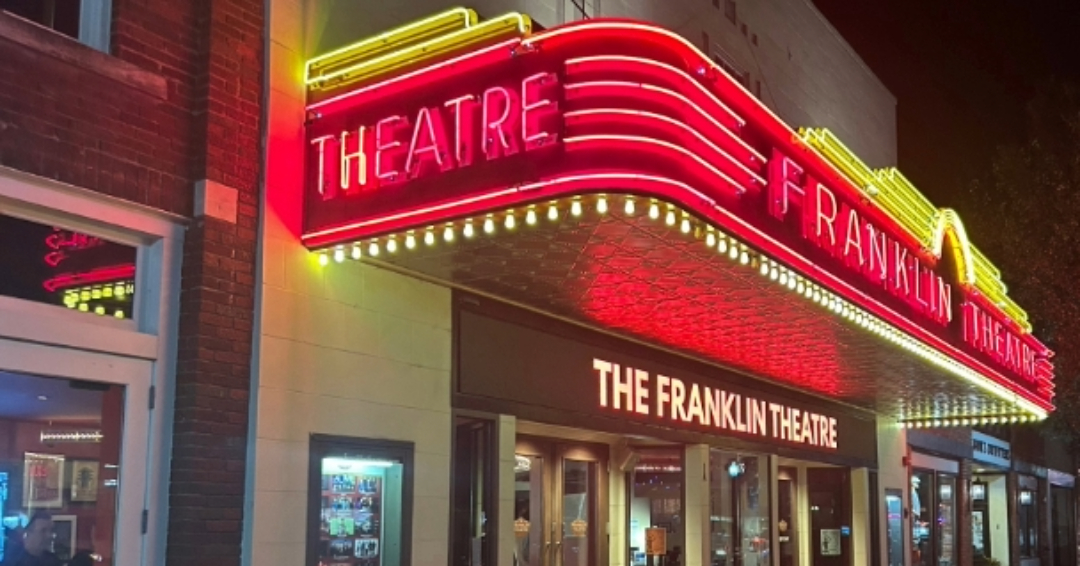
point(670, 218)
point(95, 293)
point(99, 310)
point(107, 292)
point(721, 246)
point(774, 274)
point(553, 213)
point(510, 222)
point(817, 296)
point(356, 251)
point(119, 291)
point(429, 237)
point(84, 295)
point(710, 239)
point(391, 245)
point(575, 208)
point(733, 253)
point(686, 226)
point(83, 307)
point(489, 225)
point(118, 314)
point(448, 234)
point(800, 287)
point(530, 217)
point(601, 205)
point(629, 207)
point(469, 231)
point(654, 211)
point(323, 259)
point(410, 241)
point(373, 249)
point(764, 269)
point(744, 258)
point(339, 255)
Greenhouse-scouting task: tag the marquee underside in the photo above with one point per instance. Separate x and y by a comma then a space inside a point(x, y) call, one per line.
point(647, 280)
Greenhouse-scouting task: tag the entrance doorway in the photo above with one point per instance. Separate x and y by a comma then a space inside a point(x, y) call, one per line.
point(559, 503)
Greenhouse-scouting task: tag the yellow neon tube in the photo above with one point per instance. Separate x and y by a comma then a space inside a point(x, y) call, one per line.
point(418, 53)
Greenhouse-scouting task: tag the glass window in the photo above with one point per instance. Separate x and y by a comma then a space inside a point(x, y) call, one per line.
point(656, 505)
point(49, 264)
point(739, 509)
point(922, 518)
point(894, 526)
point(1028, 519)
point(473, 500)
point(946, 520)
point(360, 502)
point(60, 15)
point(59, 458)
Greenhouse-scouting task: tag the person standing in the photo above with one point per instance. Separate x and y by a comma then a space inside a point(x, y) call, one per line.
point(37, 539)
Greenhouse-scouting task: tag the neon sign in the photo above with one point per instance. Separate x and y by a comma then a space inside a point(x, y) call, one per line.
point(471, 128)
point(634, 391)
point(625, 107)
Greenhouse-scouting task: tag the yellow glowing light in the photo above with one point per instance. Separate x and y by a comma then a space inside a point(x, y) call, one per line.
point(468, 230)
point(429, 237)
point(99, 310)
point(722, 245)
point(654, 211)
point(339, 255)
point(119, 291)
point(356, 253)
point(391, 245)
point(119, 314)
point(764, 269)
point(411, 45)
point(510, 221)
point(553, 212)
point(733, 253)
point(685, 226)
point(107, 292)
point(744, 258)
point(601, 205)
point(323, 259)
point(628, 208)
point(448, 234)
point(489, 225)
point(710, 239)
point(530, 217)
point(373, 249)
point(575, 208)
point(410, 241)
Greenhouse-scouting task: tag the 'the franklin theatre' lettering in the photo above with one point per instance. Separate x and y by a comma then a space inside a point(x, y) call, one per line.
point(987, 334)
point(635, 391)
point(499, 122)
point(837, 227)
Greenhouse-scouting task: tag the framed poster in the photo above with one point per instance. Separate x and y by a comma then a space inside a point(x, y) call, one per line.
point(830, 542)
point(43, 481)
point(360, 493)
point(64, 529)
point(84, 480)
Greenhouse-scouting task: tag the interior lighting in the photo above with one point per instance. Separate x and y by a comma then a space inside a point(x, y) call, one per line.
point(64, 436)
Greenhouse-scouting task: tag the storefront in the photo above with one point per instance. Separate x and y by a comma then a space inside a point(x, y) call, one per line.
point(663, 327)
point(992, 498)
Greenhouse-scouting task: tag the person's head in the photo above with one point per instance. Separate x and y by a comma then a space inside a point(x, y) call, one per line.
point(39, 532)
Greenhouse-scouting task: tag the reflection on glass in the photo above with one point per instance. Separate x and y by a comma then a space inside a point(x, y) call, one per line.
point(786, 484)
point(62, 267)
point(528, 510)
point(946, 520)
point(656, 503)
point(59, 462)
point(1027, 513)
point(577, 514)
point(739, 504)
point(894, 532)
point(922, 501)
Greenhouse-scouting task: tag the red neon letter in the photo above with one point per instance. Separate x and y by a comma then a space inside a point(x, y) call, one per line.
point(464, 110)
point(849, 219)
point(783, 177)
point(359, 156)
point(899, 272)
point(536, 109)
point(433, 147)
point(816, 213)
point(498, 139)
point(320, 179)
point(388, 150)
point(944, 301)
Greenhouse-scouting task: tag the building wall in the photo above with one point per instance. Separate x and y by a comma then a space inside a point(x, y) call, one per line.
point(351, 349)
point(169, 118)
point(808, 75)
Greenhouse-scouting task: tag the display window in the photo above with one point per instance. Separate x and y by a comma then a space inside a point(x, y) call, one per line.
point(933, 513)
point(657, 522)
point(1027, 516)
point(359, 502)
point(739, 509)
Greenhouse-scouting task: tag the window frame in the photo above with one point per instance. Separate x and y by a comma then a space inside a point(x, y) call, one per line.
point(137, 353)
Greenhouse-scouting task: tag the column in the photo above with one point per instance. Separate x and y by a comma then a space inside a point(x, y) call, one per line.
point(696, 506)
point(506, 440)
point(963, 532)
point(860, 515)
point(892, 474)
point(618, 516)
point(802, 530)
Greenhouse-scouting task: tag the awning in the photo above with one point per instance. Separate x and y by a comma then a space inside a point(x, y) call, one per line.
point(608, 173)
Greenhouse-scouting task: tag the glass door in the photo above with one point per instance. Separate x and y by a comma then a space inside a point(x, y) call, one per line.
point(557, 503)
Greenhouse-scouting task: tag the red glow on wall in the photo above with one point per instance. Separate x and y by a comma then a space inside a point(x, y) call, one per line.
point(634, 110)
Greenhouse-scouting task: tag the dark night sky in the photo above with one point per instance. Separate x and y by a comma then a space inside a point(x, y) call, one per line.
point(962, 72)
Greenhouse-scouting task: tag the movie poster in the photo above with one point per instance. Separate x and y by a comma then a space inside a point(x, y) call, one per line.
point(351, 511)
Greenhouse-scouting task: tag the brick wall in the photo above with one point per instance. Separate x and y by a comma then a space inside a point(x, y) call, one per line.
point(175, 104)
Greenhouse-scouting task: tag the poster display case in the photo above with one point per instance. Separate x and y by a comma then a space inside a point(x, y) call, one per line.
point(359, 506)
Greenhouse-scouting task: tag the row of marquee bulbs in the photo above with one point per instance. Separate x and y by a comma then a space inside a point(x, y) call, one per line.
point(969, 421)
point(724, 244)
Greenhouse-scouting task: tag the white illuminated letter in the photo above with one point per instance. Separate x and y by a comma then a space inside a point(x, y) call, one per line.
point(495, 129)
point(424, 126)
point(321, 143)
point(829, 219)
point(604, 369)
point(528, 105)
point(641, 392)
point(662, 395)
point(347, 158)
point(382, 146)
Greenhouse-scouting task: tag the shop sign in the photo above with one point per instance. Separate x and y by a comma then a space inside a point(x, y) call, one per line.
point(990, 450)
point(635, 391)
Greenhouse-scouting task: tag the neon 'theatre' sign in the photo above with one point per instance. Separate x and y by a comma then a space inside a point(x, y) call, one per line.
point(486, 119)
